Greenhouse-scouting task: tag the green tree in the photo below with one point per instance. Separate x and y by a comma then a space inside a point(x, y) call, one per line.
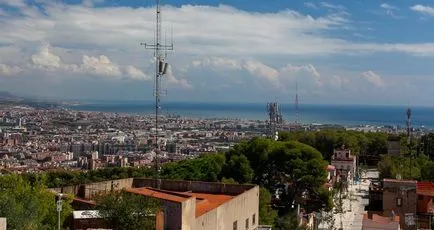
point(29, 206)
point(238, 168)
point(126, 211)
point(267, 216)
point(289, 222)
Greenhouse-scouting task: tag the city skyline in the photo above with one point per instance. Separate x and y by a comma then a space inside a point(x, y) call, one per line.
point(341, 52)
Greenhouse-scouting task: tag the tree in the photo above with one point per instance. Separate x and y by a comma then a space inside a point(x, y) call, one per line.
point(238, 168)
point(295, 169)
point(29, 206)
point(128, 211)
point(267, 216)
point(289, 222)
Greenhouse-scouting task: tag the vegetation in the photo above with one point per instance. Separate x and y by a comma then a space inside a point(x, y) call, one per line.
point(369, 146)
point(29, 206)
point(126, 211)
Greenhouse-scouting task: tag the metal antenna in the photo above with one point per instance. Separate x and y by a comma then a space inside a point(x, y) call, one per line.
point(160, 69)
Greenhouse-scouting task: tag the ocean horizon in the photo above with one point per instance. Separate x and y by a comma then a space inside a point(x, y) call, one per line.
point(347, 115)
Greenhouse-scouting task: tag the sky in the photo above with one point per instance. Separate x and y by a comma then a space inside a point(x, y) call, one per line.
point(338, 52)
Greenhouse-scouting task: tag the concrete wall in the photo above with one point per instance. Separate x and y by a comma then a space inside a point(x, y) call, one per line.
point(240, 209)
point(3, 224)
point(172, 215)
point(409, 203)
point(424, 204)
point(195, 186)
point(189, 214)
point(87, 190)
point(92, 189)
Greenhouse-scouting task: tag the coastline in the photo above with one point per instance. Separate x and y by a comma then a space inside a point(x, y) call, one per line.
point(343, 115)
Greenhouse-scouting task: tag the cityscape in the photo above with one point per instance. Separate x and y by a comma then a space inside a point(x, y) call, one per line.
point(215, 115)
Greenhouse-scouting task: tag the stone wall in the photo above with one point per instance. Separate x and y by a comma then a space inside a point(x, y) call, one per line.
point(194, 186)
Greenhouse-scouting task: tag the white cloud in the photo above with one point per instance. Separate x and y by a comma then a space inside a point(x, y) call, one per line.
point(373, 78)
point(311, 5)
point(277, 77)
point(46, 60)
point(9, 70)
point(332, 6)
point(261, 70)
point(388, 6)
point(390, 10)
point(427, 10)
point(13, 3)
point(172, 80)
point(91, 3)
point(136, 73)
point(104, 41)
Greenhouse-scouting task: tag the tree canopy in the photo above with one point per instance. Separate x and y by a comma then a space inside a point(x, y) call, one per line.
point(126, 211)
point(29, 207)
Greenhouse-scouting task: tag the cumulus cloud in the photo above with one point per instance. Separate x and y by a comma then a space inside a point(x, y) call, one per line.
point(9, 70)
point(172, 80)
point(104, 41)
point(46, 60)
point(125, 27)
point(275, 76)
point(373, 78)
point(427, 10)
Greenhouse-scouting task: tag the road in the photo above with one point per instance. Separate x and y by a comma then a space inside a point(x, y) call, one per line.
point(353, 205)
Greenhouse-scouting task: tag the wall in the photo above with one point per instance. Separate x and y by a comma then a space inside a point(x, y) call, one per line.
point(189, 214)
point(409, 203)
point(3, 224)
point(372, 225)
point(238, 209)
point(424, 204)
point(172, 215)
point(91, 189)
point(87, 190)
point(195, 186)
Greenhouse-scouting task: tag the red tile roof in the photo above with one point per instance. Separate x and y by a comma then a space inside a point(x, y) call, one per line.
point(331, 168)
point(425, 188)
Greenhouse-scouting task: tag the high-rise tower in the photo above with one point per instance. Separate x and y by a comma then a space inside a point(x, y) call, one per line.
point(275, 118)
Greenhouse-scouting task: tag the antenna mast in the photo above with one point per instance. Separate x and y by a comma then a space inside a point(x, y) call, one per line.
point(160, 69)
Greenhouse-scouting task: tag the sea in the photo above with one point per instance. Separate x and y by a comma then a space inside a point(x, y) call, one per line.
point(346, 115)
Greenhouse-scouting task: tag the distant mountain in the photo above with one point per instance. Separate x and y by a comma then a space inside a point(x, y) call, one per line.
point(6, 96)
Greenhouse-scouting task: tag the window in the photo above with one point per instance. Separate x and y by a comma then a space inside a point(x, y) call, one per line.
point(399, 201)
point(247, 223)
point(235, 225)
point(253, 219)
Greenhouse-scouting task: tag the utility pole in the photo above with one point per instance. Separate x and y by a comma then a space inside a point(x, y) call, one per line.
point(160, 70)
point(59, 208)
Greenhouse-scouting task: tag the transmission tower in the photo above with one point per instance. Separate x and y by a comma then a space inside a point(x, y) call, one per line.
point(161, 67)
point(297, 115)
point(409, 138)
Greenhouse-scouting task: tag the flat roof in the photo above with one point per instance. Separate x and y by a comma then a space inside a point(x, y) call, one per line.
point(205, 202)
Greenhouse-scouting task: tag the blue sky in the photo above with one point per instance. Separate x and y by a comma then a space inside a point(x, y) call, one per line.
point(339, 52)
